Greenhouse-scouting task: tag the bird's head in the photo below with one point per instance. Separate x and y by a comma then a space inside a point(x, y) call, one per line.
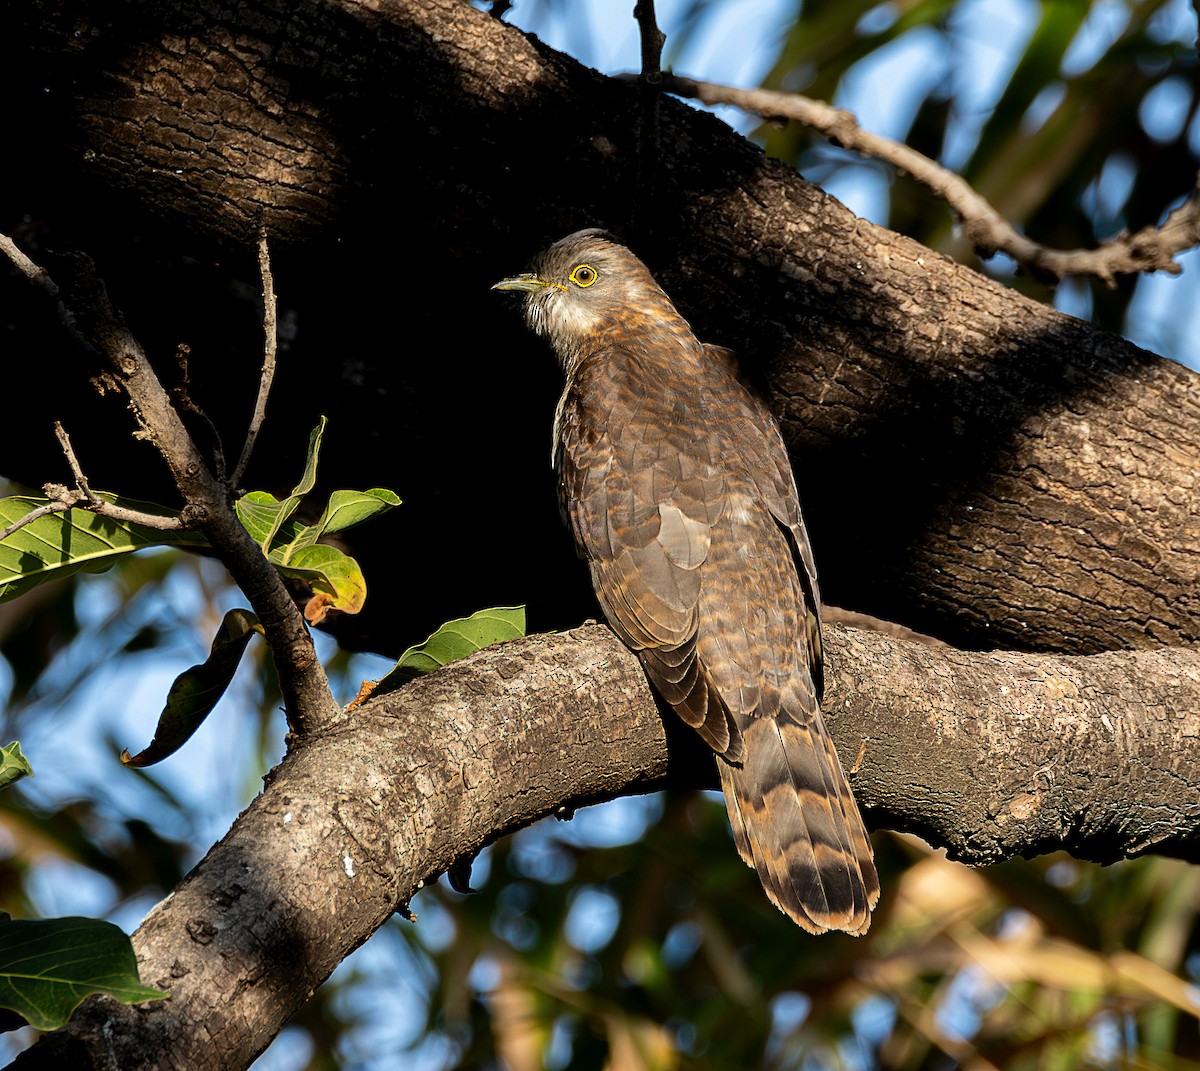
point(582, 287)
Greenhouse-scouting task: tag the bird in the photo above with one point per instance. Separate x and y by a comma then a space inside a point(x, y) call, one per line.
point(677, 487)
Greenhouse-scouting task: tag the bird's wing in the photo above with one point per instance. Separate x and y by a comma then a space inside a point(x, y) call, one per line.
point(700, 561)
point(760, 442)
point(641, 504)
point(793, 816)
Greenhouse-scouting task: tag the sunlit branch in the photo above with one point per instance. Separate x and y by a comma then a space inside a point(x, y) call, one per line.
point(86, 498)
point(1150, 249)
point(33, 515)
point(652, 39)
point(270, 347)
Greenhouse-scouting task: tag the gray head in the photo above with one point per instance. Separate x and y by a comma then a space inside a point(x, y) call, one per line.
point(584, 287)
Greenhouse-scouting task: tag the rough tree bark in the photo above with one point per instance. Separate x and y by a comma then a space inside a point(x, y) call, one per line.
point(942, 426)
point(1009, 475)
point(994, 755)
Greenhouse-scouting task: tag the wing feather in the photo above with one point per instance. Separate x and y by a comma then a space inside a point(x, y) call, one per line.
point(683, 502)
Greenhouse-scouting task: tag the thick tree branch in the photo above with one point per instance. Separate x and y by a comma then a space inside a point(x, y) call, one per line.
point(1014, 477)
point(1005, 471)
point(991, 755)
point(1150, 249)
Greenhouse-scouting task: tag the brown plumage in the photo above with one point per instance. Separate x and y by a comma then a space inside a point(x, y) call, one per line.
point(678, 490)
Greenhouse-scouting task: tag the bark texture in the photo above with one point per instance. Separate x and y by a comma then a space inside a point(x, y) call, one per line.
point(1012, 476)
point(971, 463)
point(993, 755)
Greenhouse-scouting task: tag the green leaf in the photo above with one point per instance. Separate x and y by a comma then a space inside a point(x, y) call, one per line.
point(13, 764)
point(48, 966)
point(197, 690)
point(60, 544)
point(454, 640)
point(261, 514)
point(307, 483)
point(348, 508)
point(258, 511)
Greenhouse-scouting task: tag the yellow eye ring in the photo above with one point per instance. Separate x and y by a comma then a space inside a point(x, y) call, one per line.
point(583, 275)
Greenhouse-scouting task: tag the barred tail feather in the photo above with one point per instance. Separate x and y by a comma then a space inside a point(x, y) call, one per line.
point(796, 823)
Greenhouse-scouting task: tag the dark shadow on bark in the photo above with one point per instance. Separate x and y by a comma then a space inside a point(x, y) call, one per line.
point(434, 190)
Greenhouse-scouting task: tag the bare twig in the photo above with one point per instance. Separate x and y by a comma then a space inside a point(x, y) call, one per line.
point(302, 681)
point(33, 515)
point(499, 7)
point(41, 278)
point(188, 521)
point(61, 499)
point(86, 498)
point(64, 440)
point(270, 345)
point(184, 402)
point(652, 39)
point(1150, 249)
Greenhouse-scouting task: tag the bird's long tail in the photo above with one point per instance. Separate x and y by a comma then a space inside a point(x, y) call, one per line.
point(795, 821)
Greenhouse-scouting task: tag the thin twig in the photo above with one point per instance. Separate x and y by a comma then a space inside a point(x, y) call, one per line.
point(64, 440)
point(182, 396)
point(62, 499)
point(86, 498)
point(1150, 249)
point(41, 278)
point(270, 345)
point(33, 515)
point(305, 687)
point(652, 40)
point(174, 523)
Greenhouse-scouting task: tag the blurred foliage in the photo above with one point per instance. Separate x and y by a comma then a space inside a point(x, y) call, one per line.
point(663, 953)
point(1093, 132)
point(633, 937)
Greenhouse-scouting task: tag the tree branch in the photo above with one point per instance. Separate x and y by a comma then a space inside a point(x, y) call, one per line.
point(942, 425)
point(652, 41)
point(976, 423)
point(182, 399)
point(1150, 249)
point(87, 499)
point(63, 499)
point(270, 345)
point(1095, 755)
point(302, 680)
point(33, 515)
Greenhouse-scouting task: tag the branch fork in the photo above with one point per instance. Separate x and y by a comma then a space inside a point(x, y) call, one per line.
point(206, 491)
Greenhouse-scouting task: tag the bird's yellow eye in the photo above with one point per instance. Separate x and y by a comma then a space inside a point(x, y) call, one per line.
point(583, 275)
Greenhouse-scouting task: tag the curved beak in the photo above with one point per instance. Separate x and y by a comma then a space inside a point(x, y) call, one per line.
point(527, 282)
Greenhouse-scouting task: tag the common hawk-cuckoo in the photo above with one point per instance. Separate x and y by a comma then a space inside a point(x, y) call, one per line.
point(678, 489)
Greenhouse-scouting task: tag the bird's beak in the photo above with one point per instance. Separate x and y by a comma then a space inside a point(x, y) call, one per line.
point(528, 282)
